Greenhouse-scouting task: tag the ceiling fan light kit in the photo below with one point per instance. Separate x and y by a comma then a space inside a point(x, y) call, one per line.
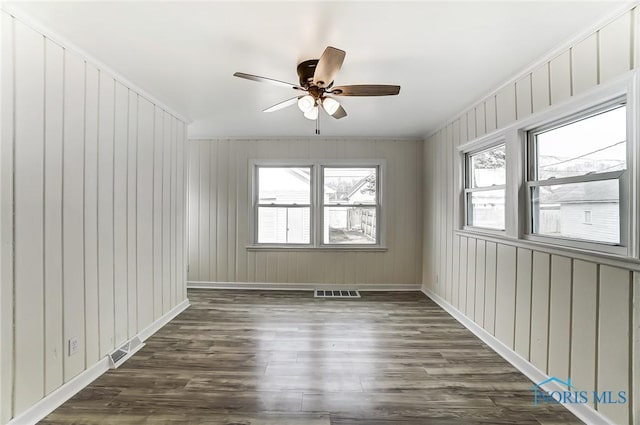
point(306, 103)
point(316, 81)
point(330, 105)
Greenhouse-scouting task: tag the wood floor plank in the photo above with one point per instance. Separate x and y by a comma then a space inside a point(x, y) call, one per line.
point(285, 358)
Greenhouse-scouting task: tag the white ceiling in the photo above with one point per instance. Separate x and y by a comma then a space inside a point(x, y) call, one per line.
point(445, 55)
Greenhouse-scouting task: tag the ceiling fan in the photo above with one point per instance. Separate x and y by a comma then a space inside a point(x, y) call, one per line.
point(316, 86)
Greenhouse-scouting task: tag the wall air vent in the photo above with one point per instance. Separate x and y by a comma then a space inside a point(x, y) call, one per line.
point(121, 354)
point(336, 293)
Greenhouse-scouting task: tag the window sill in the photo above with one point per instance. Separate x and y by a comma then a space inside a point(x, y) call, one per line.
point(616, 260)
point(376, 248)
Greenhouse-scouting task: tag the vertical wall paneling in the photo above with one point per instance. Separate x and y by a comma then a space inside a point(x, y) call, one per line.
point(540, 310)
point(83, 208)
point(6, 220)
point(158, 150)
point(480, 282)
point(73, 212)
point(584, 60)
point(490, 287)
point(540, 88)
point(613, 339)
point(523, 303)
point(584, 322)
point(481, 124)
point(54, 98)
point(182, 214)
point(471, 278)
point(28, 197)
point(144, 224)
point(206, 234)
point(132, 179)
point(505, 294)
point(452, 291)
point(456, 134)
point(506, 105)
point(90, 223)
point(193, 199)
point(615, 48)
point(120, 186)
point(490, 111)
point(461, 301)
point(219, 212)
point(451, 152)
point(222, 217)
point(471, 124)
point(560, 77)
point(165, 240)
point(105, 211)
point(568, 315)
point(560, 316)
point(464, 135)
point(173, 212)
point(523, 97)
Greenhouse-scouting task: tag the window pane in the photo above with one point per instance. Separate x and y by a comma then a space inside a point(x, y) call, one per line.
point(589, 211)
point(486, 209)
point(283, 225)
point(284, 185)
point(349, 225)
point(488, 168)
point(350, 185)
point(593, 145)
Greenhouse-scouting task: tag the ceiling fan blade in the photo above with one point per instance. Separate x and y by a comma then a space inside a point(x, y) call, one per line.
point(328, 66)
point(266, 80)
point(282, 105)
point(366, 90)
point(339, 113)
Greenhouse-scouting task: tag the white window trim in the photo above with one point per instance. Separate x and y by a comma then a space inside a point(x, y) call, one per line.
point(316, 207)
point(487, 145)
point(621, 248)
point(626, 85)
point(255, 205)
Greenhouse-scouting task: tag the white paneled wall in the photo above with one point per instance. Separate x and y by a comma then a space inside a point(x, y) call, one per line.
point(568, 315)
point(91, 225)
point(219, 220)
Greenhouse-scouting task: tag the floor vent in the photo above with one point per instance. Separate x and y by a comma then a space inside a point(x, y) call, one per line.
point(336, 293)
point(121, 354)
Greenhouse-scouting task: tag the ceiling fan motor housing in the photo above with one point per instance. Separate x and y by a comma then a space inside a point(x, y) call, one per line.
point(306, 70)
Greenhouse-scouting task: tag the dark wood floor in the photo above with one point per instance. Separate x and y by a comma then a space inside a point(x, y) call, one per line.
point(278, 358)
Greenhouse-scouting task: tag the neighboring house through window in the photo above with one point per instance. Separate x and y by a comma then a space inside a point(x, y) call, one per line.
point(576, 176)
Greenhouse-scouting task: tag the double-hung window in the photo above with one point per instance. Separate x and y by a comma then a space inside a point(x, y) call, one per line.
point(485, 187)
point(577, 177)
point(319, 205)
point(350, 205)
point(283, 205)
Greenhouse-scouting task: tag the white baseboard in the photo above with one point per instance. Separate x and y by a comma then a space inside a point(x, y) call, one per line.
point(584, 412)
point(55, 399)
point(163, 320)
point(268, 286)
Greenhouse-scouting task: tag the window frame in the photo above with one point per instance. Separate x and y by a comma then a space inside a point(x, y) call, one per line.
point(317, 203)
point(322, 205)
point(256, 203)
point(467, 182)
point(517, 233)
point(531, 182)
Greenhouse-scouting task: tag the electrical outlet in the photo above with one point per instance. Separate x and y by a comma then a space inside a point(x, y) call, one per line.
point(73, 345)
